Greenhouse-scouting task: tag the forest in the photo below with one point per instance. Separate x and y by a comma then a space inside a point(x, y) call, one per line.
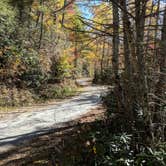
point(118, 45)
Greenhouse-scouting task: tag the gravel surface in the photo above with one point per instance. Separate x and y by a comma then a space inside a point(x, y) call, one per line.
point(18, 128)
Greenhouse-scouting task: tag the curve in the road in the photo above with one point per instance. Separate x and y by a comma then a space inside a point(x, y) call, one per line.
point(26, 125)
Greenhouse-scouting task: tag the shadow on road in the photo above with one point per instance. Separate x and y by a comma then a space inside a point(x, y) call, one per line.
point(45, 143)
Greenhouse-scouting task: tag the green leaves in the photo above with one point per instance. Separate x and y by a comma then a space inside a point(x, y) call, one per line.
point(7, 21)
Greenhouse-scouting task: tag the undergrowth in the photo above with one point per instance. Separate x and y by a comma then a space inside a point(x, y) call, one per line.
point(56, 91)
point(16, 97)
point(116, 141)
point(98, 145)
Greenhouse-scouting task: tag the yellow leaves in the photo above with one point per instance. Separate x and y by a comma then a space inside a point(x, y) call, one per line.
point(35, 5)
point(15, 64)
point(60, 3)
point(65, 62)
point(18, 61)
point(38, 7)
point(50, 19)
point(49, 23)
point(150, 8)
point(94, 149)
point(102, 15)
point(91, 56)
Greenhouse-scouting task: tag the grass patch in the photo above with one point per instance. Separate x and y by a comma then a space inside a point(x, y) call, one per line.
point(58, 92)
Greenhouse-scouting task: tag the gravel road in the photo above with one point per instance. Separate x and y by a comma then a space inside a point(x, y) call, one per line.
point(18, 128)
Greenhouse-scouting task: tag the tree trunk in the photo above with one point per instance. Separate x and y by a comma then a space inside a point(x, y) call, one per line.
point(115, 56)
point(102, 58)
point(129, 62)
point(115, 59)
point(140, 9)
point(41, 26)
point(161, 86)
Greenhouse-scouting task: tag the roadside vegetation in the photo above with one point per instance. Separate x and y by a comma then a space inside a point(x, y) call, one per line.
point(37, 55)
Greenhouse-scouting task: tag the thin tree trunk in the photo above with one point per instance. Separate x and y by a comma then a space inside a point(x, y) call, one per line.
point(102, 58)
point(140, 6)
point(75, 51)
point(161, 86)
point(63, 15)
point(41, 26)
point(115, 56)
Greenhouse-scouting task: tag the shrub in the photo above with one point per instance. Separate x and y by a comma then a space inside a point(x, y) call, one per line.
point(15, 97)
point(7, 22)
point(61, 68)
point(98, 145)
point(33, 76)
point(105, 77)
point(57, 91)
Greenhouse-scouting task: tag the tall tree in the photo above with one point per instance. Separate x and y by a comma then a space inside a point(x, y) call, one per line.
point(161, 86)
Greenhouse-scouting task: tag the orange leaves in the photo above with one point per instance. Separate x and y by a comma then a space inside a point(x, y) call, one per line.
point(1, 53)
